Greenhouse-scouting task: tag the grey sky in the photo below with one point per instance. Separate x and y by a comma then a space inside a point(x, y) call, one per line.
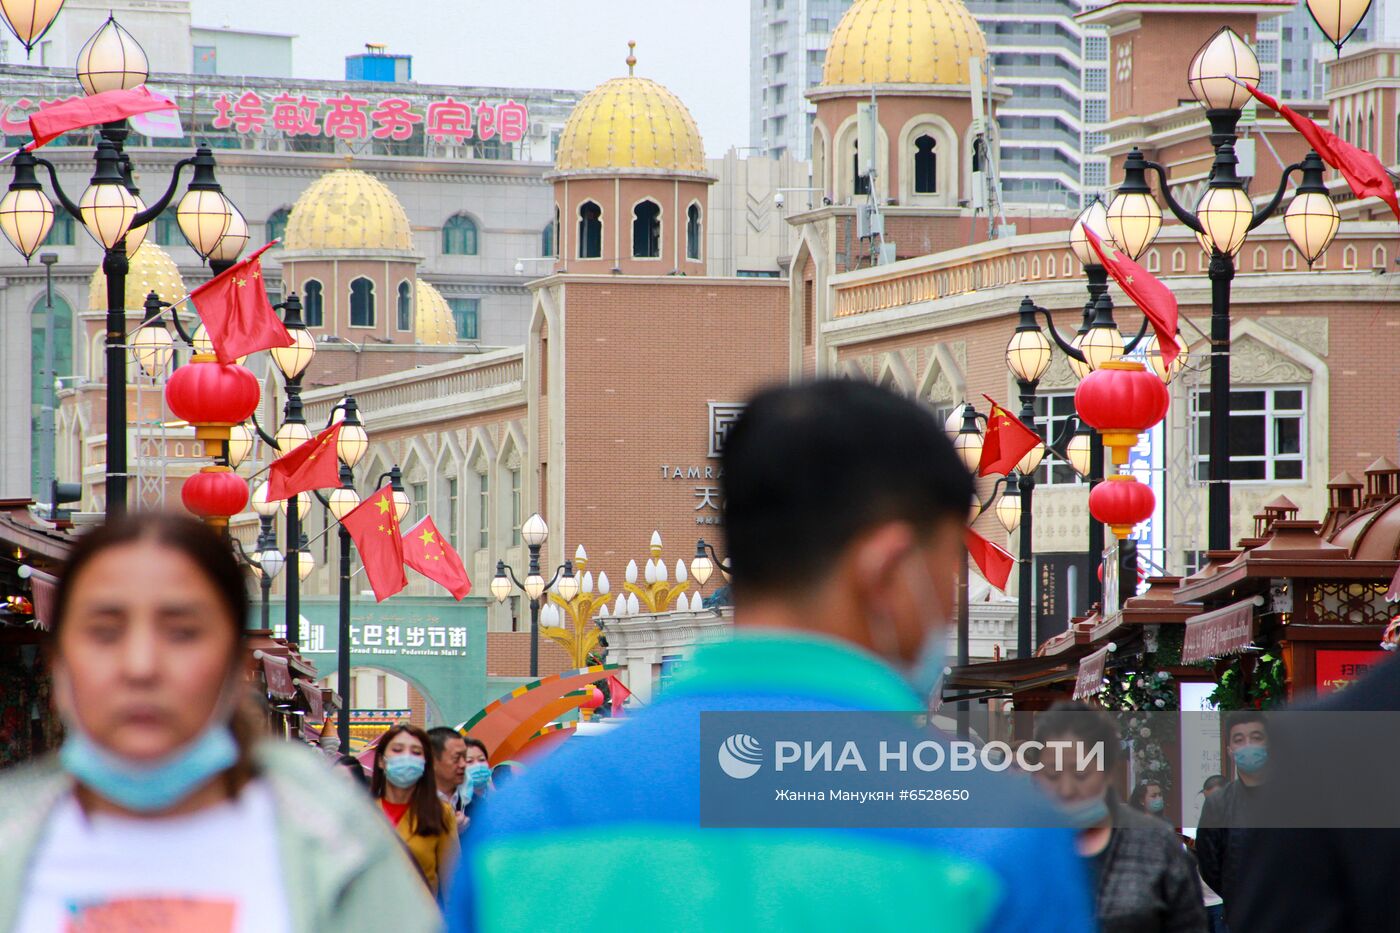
point(697, 48)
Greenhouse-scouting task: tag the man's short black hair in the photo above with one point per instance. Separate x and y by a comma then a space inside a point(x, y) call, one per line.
point(1077, 721)
point(440, 736)
point(808, 468)
point(1242, 717)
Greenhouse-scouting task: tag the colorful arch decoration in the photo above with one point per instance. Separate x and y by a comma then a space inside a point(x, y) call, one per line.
point(510, 723)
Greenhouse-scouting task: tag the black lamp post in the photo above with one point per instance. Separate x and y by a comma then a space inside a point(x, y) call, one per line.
point(534, 533)
point(1222, 219)
point(110, 208)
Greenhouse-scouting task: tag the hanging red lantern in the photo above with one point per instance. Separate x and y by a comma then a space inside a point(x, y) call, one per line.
point(212, 396)
point(1121, 502)
point(214, 494)
point(594, 698)
point(1120, 400)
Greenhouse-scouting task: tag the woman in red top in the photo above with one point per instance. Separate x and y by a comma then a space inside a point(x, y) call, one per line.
point(407, 793)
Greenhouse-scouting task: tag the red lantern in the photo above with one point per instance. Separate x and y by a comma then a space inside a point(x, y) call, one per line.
point(214, 494)
point(212, 396)
point(594, 700)
point(1120, 400)
point(1121, 502)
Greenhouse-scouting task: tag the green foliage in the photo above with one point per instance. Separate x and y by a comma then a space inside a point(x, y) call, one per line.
point(1265, 688)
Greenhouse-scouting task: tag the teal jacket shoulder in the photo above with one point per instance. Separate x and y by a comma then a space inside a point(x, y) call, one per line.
point(343, 866)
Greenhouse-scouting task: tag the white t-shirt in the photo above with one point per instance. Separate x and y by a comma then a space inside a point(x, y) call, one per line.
point(215, 871)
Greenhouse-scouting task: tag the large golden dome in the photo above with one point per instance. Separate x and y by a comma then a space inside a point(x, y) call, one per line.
point(630, 123)
point(150, 270)
point(348, 209)
point(903, 42)
point(433, 323)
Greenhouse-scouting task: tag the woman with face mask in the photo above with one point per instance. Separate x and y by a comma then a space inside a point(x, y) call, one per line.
point(164, 809)
point(406, 790)
point(1148, 798)
point(1144, 879)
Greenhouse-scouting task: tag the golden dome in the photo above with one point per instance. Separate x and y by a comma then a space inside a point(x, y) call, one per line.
point(433, 323)
point(150, 270)
point(348, 209)
point(903, 42)
point(630, 123)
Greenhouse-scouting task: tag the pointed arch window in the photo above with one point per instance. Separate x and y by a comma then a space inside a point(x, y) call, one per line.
point(362, 303)
point(692, 232)
point(459, 236)
point(590, 231)
point(312, 305)
point(925, 165)
point(646, 230)
point(62, 366)
point(277, 224)
point(405, 308)
point(860, 184)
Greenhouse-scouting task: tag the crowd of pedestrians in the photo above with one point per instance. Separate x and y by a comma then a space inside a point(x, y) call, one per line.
point(167, 810)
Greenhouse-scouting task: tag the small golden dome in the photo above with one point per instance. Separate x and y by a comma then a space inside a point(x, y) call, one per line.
point(150, 270)
point(903, 42)
point(433, 323)
point(630, 123)
point(348, 209)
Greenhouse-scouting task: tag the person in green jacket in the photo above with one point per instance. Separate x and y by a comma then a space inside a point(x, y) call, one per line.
point(163, 810)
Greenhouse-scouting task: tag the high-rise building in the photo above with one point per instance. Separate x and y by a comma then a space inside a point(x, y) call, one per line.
point(788, 40)
point(1055, 69)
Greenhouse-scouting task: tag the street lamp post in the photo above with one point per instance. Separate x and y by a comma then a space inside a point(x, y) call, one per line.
point(1222, 220)
point(110, 210)
point(351, 445)
point(267, 556)
point(534, 533)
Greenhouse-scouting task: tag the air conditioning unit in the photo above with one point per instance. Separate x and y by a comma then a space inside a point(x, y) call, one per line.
point(538, 130)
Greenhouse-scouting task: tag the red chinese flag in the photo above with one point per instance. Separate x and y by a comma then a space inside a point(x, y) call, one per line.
point(1007, 441)
point(992, 561)
point(1363, 171)
point(374, 527)
point(310, 465)
point(426, 551)
point(236, 313)
point(109, 106)
point(1147, 292)
point(618, 692)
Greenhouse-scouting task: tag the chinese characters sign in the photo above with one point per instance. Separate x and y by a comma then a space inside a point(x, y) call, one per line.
point(356, 119)
point(1339, 668)
point(393, 638)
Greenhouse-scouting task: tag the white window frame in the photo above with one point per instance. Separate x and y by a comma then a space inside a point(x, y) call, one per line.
point(1054, 471)
point(1273, 415)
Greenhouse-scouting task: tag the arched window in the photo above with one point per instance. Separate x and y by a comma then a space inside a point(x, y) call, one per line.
point(62, 366)
point(646, 230)
point(277, 224)
point(692, 232)
point(1347, 134)
point(860, 184)
point(925, 165)
point(64, 231)
point(405, 308)
point(547, 240)
point(167, 229)
point(459, 236)
point(1370, 131)
point(312, 309)
point(361, 303)
point(590, 231)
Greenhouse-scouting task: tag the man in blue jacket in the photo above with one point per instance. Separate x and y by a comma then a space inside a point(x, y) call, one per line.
point(844, 513)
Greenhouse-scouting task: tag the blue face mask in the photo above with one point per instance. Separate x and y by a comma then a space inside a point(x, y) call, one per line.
point(926, 673)
point(1085, 813)
point(479, 775)
point(1251, 759)
point(1156, 806)
point(148, 788)
point(403, 771)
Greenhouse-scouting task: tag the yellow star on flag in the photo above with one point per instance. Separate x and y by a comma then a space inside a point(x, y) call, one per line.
point(383, 503)
point(1129, 280)
point(239, 282)
point(427, 536)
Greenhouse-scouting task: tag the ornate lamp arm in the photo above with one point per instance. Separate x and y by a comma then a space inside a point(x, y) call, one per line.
point(1265, 212)
point(238, 546)
point(510, 572)
point(1181, 213)
point(267, 439)
point(179, 328)
point(1060, 342)
point(154, 210)
point(1067, 430)
point(1142, 332)
point(982, 507)
point(62, 195)
point(714, 557)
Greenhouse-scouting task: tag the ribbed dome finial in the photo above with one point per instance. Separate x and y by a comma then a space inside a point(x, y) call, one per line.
point(631, 57)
